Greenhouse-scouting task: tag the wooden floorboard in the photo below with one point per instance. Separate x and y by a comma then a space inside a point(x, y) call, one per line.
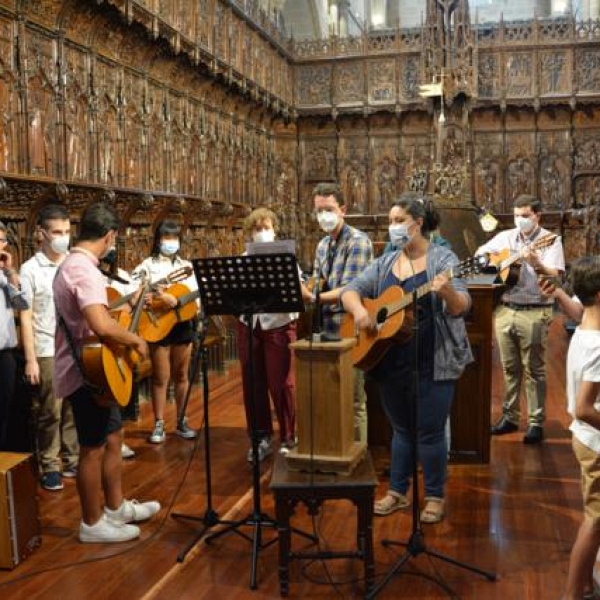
point(517, 516)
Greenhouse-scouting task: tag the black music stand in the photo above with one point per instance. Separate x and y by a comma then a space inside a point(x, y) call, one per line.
point(250, 285)
point(200, 363)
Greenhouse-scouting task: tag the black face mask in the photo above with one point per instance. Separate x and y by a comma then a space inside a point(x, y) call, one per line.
point(111, 257)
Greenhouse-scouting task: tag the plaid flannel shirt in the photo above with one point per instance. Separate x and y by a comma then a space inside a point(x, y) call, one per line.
point(338, 262)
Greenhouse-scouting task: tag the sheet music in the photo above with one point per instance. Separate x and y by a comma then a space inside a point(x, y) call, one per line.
point(275, 247)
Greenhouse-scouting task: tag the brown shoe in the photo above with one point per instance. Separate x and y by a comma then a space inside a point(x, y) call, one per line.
point(433, 511)
point(391, 502)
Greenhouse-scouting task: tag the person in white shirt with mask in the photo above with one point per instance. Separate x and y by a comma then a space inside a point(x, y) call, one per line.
point(272, 357)
point(170, 356)
point(54, 424)
point(523, 316)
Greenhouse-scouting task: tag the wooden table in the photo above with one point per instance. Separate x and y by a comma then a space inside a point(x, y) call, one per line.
point(293, 487)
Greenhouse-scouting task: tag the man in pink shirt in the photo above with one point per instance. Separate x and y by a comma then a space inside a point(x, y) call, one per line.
point(81, 307)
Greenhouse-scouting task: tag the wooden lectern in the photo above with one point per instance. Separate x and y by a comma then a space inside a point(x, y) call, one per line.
point(325, 408)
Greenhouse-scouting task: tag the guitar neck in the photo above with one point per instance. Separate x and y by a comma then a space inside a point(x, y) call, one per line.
point(543, 242)
point(421, 291)
point(187, 298)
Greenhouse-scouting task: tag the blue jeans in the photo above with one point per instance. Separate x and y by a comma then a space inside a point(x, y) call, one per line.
point(434, 402)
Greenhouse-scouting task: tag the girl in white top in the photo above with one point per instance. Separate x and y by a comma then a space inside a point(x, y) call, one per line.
point(170, 356)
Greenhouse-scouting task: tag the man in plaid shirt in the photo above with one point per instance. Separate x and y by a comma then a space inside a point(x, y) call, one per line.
point(340, 257)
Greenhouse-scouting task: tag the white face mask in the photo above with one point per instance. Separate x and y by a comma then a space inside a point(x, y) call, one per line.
point(60, 243)
point(328, 221)
point(265, 235)
point(169, 247)
point(399, 234)
point(524, 224)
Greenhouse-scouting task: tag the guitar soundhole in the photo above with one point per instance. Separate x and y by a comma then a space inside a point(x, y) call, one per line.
point(382, 315)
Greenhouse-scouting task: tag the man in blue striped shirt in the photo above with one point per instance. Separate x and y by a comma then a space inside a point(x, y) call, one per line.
point(341, 256)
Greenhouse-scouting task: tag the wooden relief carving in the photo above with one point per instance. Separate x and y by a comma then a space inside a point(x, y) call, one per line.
point(488, 76)
point(349, 85)
point(319, 160)
point(77, 143)
point(108, 138)
point(9, 143)
point(387, 182)
point(587, 156)
point(409, 78)
point(519, 75)
point(382, 81)
point(555, 74)
point(41, 120)
point(314, 83)
point(520, 178)
point(588, 70)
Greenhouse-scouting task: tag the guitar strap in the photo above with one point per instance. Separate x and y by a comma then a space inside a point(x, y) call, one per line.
point(78, 363)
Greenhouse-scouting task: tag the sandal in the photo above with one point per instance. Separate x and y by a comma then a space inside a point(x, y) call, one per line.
point(433, 511)
point(391, 502)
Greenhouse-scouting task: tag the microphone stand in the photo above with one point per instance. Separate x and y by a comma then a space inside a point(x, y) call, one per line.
point(416, 542)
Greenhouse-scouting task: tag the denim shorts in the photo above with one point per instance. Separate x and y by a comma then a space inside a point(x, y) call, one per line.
point(93, 422)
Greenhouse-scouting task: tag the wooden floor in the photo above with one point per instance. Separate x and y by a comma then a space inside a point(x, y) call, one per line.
point(516, 517)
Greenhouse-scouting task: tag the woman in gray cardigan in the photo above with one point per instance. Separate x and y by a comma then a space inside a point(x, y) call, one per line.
point(443, 351)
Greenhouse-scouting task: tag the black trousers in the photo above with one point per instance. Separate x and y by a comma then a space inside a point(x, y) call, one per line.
point(8, 377)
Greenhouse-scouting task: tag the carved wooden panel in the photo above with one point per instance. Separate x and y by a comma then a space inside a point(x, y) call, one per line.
point(519, 75)
point(588, 70)
point(554, 72)
point(488, 76)
point(409, 78)
point(348, 83)
point(318, 161)
point(382, 81)
point(313, 85)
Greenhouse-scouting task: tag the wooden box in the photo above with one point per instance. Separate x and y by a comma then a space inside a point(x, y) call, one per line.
point(20, 530)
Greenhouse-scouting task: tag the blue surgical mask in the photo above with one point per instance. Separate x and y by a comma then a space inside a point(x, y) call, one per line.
point(169, 247)
point(399, 234)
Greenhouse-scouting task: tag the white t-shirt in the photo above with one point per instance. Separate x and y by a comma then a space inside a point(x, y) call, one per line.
point(37, 275)
point(583, 364)
point(159, 267)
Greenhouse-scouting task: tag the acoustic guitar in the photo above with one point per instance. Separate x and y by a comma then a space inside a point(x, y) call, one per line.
point(508, 265)
point(392, 316)
point(157, 320)
point(110, 366)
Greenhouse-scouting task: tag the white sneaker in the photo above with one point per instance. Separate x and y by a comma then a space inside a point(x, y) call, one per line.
point(286, 447)
point(132, 511)
point(158, 433)
point(106, 531)
point(185, 431)
point(126, 451)
point(264, 449)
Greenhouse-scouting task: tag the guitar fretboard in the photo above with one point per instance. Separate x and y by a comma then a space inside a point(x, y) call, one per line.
point(421, 291)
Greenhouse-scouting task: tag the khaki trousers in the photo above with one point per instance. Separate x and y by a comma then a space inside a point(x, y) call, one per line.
point(54, 423)
point(522, 337)
point(360, 407)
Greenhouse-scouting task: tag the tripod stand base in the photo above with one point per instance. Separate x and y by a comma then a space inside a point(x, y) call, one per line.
point(415, 546)
point(209, 520)
point(256, 521)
